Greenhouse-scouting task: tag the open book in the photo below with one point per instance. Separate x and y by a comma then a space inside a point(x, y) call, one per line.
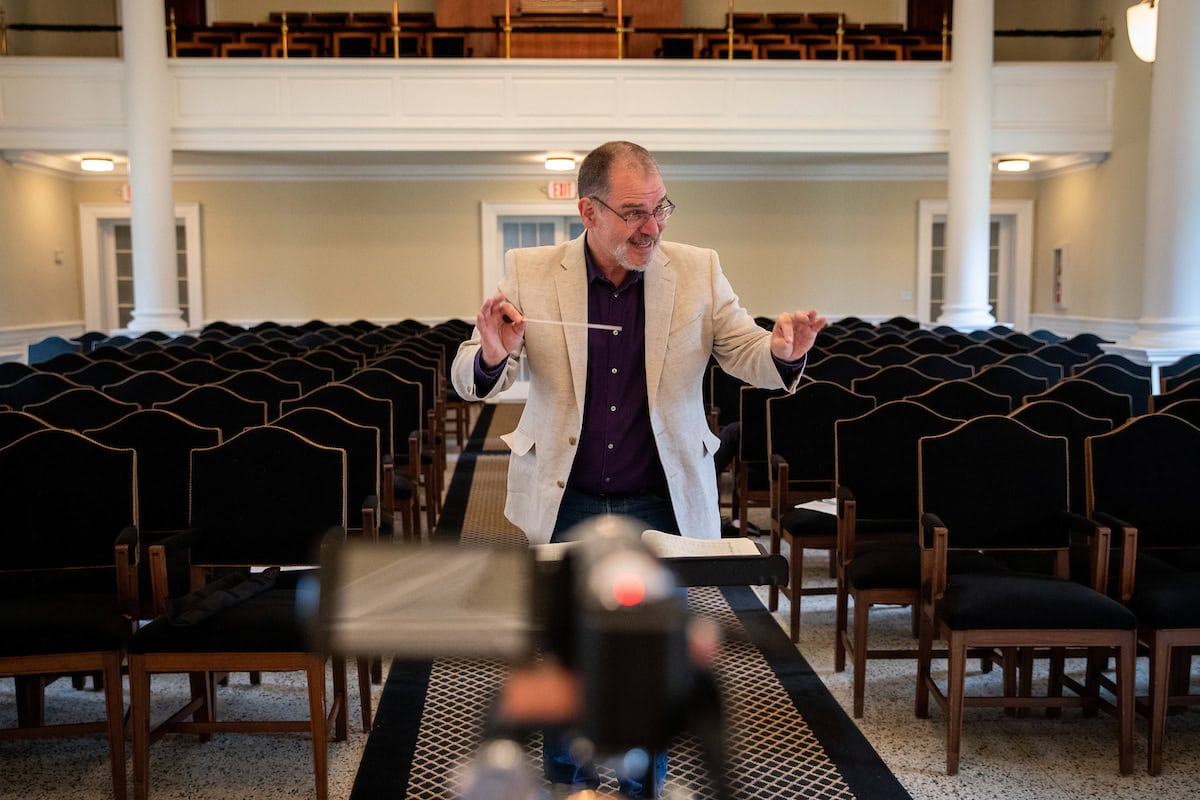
point(667, 545)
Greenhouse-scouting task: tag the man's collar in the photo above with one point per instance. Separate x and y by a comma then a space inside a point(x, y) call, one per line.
point(594, 273)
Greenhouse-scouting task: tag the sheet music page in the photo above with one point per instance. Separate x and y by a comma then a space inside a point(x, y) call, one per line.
point(827, 505)
point(668, 545)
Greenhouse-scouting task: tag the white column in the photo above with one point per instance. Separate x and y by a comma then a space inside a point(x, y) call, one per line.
point(148, 139)
point(1170, 323)
point(965, 301)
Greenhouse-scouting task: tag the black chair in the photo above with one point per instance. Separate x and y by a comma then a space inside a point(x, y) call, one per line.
point(1183, 391)
point(937, 365)
point(340, 366)
point(1119, 380)
point(35, 388)
point(148, 388)
point(1087, 343)
point(258, 384)
point(751, 478)
point(1142, 481)
point(676, 47)
point(1061, 354)
point(163, 442)
point(218, 407)
point(47, 348)
point(1032, 365)
point(64, 363)
point(978, 356)
point(294, 368)
point(82, 408)
point(1055, 418)
point(1168, 372)
point(839, 368)
point(408, 420)
point(267, 497)
point(156, 360)
point(1009, 381)
point(240, 360)
point(67, 571)
point(200, 371)
point(893, 383)
point(1015, 499)
point(961, 399)
point(1116, 360)
point(1188, 410)
point(1173, 381)
point(1090, 398)
point(889, 355)
point(13, 371)
point(99, 374)
point(800, 452)
point(877, 556)
point(17, 424)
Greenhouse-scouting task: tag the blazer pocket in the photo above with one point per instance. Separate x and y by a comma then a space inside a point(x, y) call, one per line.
point(518, 441)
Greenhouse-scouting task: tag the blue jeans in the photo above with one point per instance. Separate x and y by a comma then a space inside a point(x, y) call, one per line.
point(653, 510)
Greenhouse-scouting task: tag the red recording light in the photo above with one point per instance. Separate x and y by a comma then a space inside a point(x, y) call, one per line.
point(628, 590)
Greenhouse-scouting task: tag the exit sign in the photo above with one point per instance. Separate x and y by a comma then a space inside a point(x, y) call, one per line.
point(561, 190)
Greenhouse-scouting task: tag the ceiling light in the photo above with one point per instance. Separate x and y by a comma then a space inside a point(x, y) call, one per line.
point(1013, 165)
point(1142, 23)
point(559, 164)
point(96, 164)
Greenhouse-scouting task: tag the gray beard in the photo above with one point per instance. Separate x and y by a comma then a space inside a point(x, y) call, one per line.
point(621, 255)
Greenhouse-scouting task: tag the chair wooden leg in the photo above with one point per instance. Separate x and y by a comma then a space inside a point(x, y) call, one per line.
point(319, 724)
point(1126, 675)
point(204, 686)
point(339, 705)
point(114, 708)
point(924, 656)
point(861, 617)
point(840, 624)
point(139, 723)
point(1054, 686)
point(31, 700)
point(796, 562)
point(955, 687)
point(1160, 673)
point(364, 692)
point(773, 590)
point(1024, 677)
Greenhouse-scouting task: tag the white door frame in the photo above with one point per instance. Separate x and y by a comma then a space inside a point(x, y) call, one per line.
point(492, 268)
point(1020, 269)
point(99, 273)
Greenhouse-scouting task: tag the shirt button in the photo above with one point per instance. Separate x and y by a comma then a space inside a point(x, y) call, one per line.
point(616, 333)
point(572, 441)
point(610, 446)
point(612, 408)
point(614, 370)
point(560, 484)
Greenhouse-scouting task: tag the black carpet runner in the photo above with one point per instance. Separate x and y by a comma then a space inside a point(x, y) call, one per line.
point(788, 737)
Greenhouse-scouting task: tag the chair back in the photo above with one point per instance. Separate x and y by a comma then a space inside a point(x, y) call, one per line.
point(35, 388)
point(996, 483)
point(408, 414)
point(889, 355)
point(1188, 410)
point(961, 399)
point(893, 383)
point(99, 374)
point(41, 531)
point(1055, 418)
point(1007, 380)
point(978, 356)
point(258, 384)
point(354, 405)
point(876, 457)
point(294, 368)
point(147, 388)
point(1062, 354)
point(839, 368)
point(1032, 365)
point(1117, 379)
point(266, 496)
point(1090, 398)
point(1146, 473)
point(81, 408)
point(13, 371)
point(163, 442)
point(218, 407)
point(200, 371)
point(64, 363)
point(17, 424)
point(937, 365)
point(800, 428)
point(155, 360)
point(361, 444)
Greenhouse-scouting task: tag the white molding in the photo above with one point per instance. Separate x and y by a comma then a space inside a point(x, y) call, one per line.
point(15, 339)
point(522, 105)
point(1117, 330)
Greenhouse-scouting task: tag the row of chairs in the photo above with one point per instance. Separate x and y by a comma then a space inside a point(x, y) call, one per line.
point(72, 596)
point(362, 43)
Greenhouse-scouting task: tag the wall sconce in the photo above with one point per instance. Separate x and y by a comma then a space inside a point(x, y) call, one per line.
point(1013, 165)
point(1142, 23)
point(560, 164)
point(93, 164)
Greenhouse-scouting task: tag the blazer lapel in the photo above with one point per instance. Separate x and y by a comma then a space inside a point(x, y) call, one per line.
point(571, 286)
point(660, 302)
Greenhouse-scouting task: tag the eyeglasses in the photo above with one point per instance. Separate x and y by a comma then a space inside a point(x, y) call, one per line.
point(638, 218)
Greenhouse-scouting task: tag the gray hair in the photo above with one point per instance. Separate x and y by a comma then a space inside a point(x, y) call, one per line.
point(597, 166)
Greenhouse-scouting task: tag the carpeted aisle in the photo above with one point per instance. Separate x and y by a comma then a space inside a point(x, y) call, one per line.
point(788, 737)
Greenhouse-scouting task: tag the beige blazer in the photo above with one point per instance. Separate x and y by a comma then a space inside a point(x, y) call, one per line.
point(691, 312)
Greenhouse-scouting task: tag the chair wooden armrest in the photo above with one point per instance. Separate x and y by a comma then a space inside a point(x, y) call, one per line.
point(159, 554)
point(125, 558)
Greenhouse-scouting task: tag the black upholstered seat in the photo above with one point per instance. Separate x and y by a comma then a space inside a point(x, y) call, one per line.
point(1015, 498)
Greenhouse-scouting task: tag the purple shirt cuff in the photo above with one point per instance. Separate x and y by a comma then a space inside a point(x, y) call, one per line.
point(485, 378)
point(789, 370)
